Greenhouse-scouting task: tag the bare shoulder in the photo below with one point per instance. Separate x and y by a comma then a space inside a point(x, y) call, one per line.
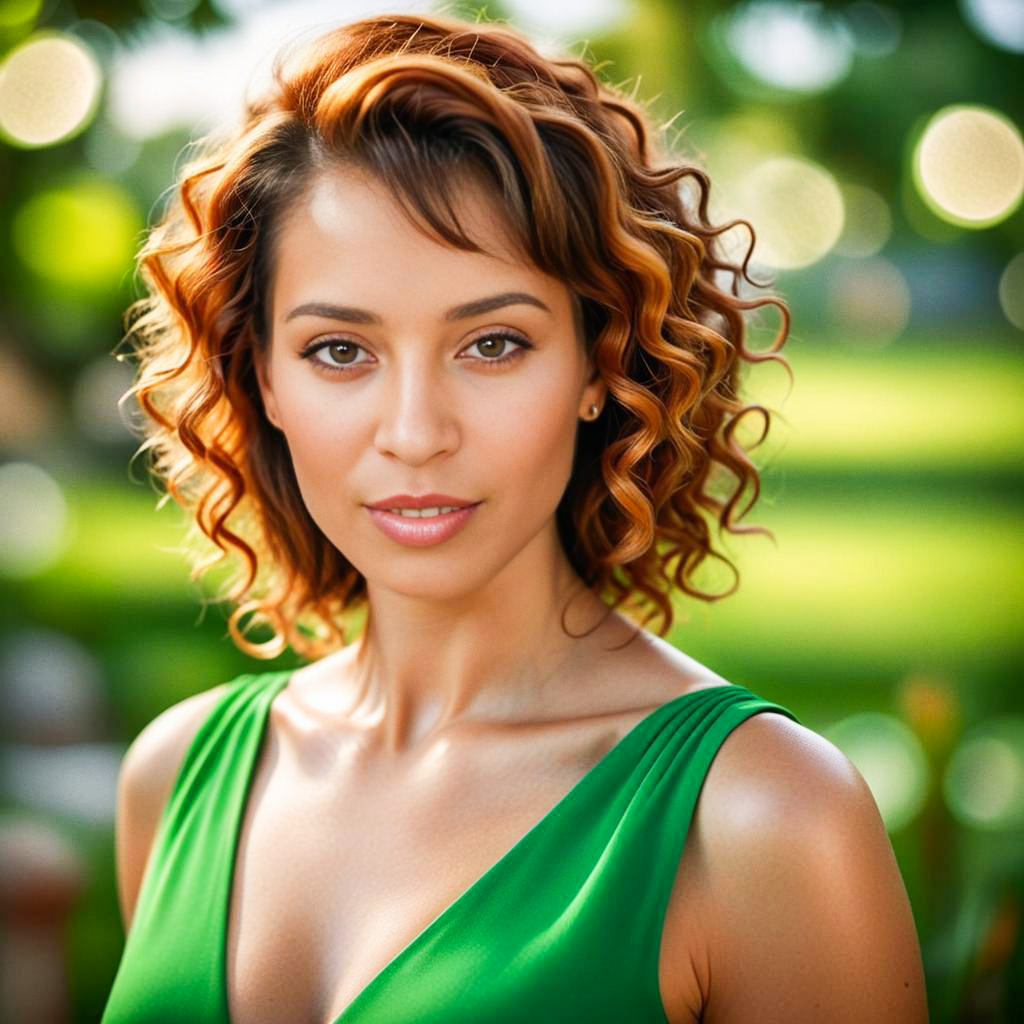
point(777, 767)
point(803, 914)
point(662, 670)
point(146, 778)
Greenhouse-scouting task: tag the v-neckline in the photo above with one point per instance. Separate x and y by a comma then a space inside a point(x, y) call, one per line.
point(406, 951)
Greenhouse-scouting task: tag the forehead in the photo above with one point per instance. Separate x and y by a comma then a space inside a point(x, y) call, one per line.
point(347, 239)
point(349, 223)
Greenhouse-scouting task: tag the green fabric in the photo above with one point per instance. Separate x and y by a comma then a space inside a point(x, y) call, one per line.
point(565, 926)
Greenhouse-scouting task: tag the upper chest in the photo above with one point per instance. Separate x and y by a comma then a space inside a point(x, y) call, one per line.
point(340, 864)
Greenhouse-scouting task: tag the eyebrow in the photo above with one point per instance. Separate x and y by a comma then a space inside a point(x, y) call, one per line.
point(478, 307)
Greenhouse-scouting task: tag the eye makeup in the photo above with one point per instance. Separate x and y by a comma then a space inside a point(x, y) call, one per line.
point(309, 352)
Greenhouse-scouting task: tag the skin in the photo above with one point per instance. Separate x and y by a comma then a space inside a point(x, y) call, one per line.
point(422, 410)
point(464, 710)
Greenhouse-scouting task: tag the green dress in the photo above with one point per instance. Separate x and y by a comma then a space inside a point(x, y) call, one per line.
point(567, 925)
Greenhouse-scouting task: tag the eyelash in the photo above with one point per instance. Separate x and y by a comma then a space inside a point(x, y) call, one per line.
point(316, 346)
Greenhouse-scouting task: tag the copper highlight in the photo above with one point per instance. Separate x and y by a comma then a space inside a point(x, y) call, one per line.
point(419, 100)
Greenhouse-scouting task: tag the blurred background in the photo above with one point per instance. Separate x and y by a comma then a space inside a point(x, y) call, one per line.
point(877, 150)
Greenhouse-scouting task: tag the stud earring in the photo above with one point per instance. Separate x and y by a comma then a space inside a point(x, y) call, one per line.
point(592, 411)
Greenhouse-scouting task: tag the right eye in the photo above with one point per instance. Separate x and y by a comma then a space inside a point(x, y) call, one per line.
point(341, 355)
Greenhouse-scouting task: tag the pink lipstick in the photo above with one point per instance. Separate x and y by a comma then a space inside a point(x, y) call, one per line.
point(431, 519)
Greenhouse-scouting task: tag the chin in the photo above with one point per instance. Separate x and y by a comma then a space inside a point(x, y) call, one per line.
point(445, 581)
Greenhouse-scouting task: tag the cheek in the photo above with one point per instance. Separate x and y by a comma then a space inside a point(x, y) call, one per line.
point(533, 440)
point(539, 437)
point(326, 441)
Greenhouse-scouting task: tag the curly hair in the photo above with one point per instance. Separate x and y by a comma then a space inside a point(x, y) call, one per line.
point(590, 199)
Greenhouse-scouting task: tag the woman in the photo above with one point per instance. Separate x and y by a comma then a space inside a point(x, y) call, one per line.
point(435, 344)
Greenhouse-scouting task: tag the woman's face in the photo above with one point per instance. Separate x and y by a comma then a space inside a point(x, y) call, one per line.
point(386, 381)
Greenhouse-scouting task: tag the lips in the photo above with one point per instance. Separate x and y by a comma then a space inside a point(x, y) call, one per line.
point(419, 531)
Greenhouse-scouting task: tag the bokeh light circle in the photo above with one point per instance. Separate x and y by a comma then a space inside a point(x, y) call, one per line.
point(890, 758)
point(870, 300)
point(33, 520)
point(984, 781)
point(867, 224)
point(876, 28)
point(49, 90)
point(95, 400)
point(969, 166)
point(108, 150)
point(1001, 22)
point(16, 13)
point(29, 403)
point(80, 235)
point(797, 46)
point(1011, 291)
point(99, 38)
point(796, 208)
point(53, 687)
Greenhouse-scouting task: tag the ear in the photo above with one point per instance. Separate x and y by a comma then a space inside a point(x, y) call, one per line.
point(261, 362)
point(596, 390)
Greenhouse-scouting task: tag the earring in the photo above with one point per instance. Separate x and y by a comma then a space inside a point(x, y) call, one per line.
point(592, 411)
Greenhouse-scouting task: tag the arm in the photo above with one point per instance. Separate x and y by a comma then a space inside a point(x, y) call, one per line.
point(148, 771)
point(804, 915)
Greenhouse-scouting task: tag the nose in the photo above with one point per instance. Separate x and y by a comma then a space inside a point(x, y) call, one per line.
point(416, 417)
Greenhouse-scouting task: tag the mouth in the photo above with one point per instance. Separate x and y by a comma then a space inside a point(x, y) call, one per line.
point(422, 527)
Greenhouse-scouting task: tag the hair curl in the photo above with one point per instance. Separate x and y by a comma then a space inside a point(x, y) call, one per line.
point(414, 98)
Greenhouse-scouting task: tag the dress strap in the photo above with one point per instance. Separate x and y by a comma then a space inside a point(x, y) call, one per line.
point(174, 952)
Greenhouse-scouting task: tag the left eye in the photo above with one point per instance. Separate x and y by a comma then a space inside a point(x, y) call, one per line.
point(493, 347)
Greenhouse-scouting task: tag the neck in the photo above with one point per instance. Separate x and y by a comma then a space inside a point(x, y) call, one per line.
point(498, 652)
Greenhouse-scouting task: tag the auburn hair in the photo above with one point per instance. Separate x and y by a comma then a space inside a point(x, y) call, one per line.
point(593, 198)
